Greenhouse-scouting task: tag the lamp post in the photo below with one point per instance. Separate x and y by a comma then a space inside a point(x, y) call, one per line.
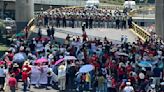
point(2, 10)
point(140, 1)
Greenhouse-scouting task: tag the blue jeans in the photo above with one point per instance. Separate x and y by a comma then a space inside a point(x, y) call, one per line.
point(25, 86)
point(12, 89)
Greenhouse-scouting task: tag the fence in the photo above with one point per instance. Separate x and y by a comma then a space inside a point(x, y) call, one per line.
point(140, 32)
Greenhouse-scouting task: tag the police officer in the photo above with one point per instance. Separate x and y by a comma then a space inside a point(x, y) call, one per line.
point(64, 21)
point(48, 32)
point(90, 22)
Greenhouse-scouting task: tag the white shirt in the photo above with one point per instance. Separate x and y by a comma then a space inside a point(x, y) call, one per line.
point(2, 72)
point(61, 72)
point(128, 89)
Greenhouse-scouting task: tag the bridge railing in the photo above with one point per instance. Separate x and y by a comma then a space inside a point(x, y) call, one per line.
point(140, 32)
point(31, 24)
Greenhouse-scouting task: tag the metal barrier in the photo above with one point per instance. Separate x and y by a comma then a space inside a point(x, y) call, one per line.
point(140, 32)
point(31, 23)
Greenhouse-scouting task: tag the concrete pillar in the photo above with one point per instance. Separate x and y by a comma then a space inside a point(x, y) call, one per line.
point(24, 12)
point(160, 18)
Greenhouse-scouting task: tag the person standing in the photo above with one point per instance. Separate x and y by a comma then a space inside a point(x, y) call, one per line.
point(62, 76)
point(73, 22)
point(25, 79)
point(64, 21)
point(40, 33)
point(48, 32)
point(28, 67)
point(118, 23)
point(49, 76)
point(101, 81)
point(84, 36)
point(2, 77)
point(83, 27)
point(128, 87)
point(12, 82)
point(16, 71)
point(52, 32)
point(90, 22)
point(26, 32)
point(86, 22)
point(58, 21)
point(71, 76)
point(157, 74)
point(46, 20)
point(130, 22)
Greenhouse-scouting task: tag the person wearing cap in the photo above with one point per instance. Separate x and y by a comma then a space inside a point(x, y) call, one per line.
point(27, 66)
point(16, 70)
point(25, 79)
point(62, 76)
point(128, 87)
point(12, 82)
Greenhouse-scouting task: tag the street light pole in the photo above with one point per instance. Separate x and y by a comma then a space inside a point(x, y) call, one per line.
point(140, 1)
point(2, 11)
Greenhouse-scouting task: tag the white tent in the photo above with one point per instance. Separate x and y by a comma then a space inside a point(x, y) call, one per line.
point(92, 3)
point(130, 4)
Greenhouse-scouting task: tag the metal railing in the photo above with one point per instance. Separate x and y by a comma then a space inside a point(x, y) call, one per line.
point(140, 32)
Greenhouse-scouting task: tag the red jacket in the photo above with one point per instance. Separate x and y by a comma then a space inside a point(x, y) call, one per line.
point(12, 82)
point(24, 76)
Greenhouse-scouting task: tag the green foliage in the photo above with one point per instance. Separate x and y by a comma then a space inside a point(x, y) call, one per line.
point(2, 26)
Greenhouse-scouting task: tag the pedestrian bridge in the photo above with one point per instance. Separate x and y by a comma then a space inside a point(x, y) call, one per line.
point(111, 33)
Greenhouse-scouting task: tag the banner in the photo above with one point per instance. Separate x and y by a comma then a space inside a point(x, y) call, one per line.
point(39, 75)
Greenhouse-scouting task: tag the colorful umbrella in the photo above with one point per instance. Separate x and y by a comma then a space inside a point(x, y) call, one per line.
point(43, 38)
point(69, 58)
point(41, 60)
point(1, 62)
point(86, 68)
point(122, 54)
point(20, 34)
point(19, 57)
point(59, 61)
point(145, 64)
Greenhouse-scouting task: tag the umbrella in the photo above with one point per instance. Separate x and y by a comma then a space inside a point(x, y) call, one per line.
point(59, 61)
point(41, 60)
point(86, 68)
point(1, 62)
point(69, 58)
point(122, 54)
point(20, 34)
point(145, 64)
point(43, 39)
point(19, 57)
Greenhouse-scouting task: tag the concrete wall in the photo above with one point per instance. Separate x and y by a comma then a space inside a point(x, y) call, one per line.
point(24, 12)
point(160, 18)
point(57, 2)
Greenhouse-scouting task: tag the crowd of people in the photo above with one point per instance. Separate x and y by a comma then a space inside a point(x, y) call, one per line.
point(123, 67)
point(92, 17)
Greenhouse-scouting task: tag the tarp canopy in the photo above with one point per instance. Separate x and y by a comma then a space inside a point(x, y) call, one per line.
point(130, 4)
point(92, 2)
